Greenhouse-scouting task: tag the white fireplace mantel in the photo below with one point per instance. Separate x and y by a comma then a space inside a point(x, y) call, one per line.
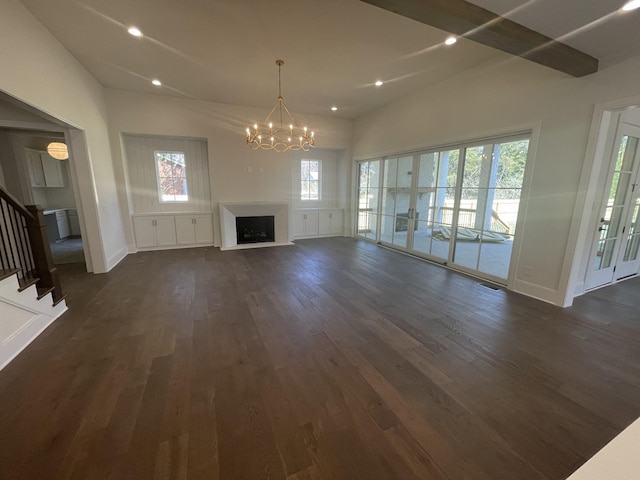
point(229, 212)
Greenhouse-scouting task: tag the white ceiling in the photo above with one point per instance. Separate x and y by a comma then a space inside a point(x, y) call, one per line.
point(225, 50)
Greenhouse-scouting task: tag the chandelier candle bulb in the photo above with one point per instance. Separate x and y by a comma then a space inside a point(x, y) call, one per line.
point(280, 135)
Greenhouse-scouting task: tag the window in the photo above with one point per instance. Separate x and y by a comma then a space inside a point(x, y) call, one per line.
point(172, 177)
point(310, 179)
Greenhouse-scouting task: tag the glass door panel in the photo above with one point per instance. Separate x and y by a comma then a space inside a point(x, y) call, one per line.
point(633, 239)
point(397, 222)
point(404, 224)
point(440, 218)
point(368, 198)
point(388, 205)
point(628, 261)
point(488, 207)
point(476, 173)
point(425, 201)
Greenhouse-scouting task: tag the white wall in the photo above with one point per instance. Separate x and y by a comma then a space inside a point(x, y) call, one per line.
point(237, 173)
point(504, 98)
point(37, 70)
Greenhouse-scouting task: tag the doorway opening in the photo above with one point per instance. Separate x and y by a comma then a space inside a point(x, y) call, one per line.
point(614, 253)
point(34, 177)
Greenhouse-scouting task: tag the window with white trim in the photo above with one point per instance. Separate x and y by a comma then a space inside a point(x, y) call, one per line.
point(171, 173)
point(310, 179)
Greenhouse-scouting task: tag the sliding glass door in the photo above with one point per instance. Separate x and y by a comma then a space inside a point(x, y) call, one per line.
point(397, 206)
point(456, 206)
point(435, 197)
point(492, 176)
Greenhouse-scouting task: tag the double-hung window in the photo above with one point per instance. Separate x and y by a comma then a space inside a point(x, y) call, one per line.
point(310, 179)
point(171, 175)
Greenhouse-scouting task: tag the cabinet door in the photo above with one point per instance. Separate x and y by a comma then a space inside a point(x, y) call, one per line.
point(203, 226)
point(52, 170)
point(74, 223)
point(311, 223)
point(36, 174)
point(145, 230)
point(185, 230)
point(63, 224)
point(298, 224)
point(324, 222)
point(336, 222)
point(166, 231)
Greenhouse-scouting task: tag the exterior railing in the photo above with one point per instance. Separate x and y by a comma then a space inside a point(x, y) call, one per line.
point(466, 219)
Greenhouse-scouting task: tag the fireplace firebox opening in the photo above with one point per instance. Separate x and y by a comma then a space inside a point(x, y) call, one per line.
point(255, 229)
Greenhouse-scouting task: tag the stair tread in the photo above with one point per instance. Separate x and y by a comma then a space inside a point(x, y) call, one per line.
point(6, 273)
point(58, 300)
point(26, 282)
point(43, 291)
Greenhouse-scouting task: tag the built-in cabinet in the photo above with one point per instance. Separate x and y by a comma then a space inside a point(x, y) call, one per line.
point(317, 222)
point(194, 229)
point(330, 222)
point(177, 230)
point(305, 223)
point(44, 170)
point(157, 231)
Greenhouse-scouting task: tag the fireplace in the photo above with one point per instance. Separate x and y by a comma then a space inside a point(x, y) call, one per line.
point(279, 231)
point(255, 229)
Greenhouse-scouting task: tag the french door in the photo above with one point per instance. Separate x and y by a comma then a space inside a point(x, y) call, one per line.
point(615, 253)
point(455, 206)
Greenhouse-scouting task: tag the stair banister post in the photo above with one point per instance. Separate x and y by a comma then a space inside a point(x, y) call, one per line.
point(39, 240)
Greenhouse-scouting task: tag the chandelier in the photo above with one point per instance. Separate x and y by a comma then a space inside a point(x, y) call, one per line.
point(278, 136)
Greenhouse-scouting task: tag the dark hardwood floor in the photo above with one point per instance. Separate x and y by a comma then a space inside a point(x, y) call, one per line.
point(331, 359)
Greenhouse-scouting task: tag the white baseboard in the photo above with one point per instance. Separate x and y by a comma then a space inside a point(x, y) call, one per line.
point(544, 294)
point(117, 257)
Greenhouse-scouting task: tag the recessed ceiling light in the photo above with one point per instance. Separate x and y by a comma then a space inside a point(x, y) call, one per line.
point(156, 82)
point(135, 31)
point(333, 109)
point(632, 5)
point(379, 83)
point(450, 40)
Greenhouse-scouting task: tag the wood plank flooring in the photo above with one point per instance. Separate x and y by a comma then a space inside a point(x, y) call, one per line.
point(330, 359)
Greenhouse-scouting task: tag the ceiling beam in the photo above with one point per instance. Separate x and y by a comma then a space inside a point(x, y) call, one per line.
point(475, 23)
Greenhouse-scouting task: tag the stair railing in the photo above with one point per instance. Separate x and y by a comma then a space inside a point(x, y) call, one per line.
point(24, 245)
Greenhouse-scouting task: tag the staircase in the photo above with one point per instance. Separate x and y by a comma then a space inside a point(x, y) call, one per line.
point(24, 314)
point(31, 295)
